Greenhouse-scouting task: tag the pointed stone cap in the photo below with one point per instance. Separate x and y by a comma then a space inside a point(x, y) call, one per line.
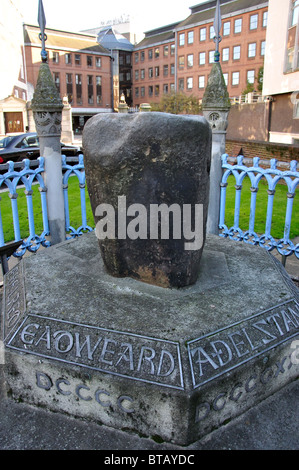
point(46, 96)
point(216, 95)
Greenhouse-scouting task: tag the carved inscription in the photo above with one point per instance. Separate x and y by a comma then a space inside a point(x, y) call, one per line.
point(14, 301)
point(216, 353)
point(128, 355)
point(241, 389)
point(81, 391)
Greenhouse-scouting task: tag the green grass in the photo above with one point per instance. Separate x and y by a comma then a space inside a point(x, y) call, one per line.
point(280, 200)
point(279, 208)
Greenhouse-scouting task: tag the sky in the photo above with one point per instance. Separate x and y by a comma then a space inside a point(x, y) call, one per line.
point(77, 15)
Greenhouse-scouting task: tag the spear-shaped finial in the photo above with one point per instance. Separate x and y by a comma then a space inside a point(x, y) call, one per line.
point(41, 18)
point(217, 28)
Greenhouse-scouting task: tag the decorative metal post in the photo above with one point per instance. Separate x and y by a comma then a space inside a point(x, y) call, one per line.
point(216, 106)
point(47, 112)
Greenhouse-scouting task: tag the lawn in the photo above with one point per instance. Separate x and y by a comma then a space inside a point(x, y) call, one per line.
point(279, 210)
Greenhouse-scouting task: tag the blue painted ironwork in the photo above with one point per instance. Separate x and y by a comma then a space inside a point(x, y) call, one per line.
point(16, 177)
point(25, 177)
point(273, 176)
point(41, 18)
point(79, 171)
point(217, 28)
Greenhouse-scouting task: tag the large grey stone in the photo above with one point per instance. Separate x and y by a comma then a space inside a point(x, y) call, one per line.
point(151, 159)
point(174, 363)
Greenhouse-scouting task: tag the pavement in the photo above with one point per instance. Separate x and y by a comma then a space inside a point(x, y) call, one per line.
point(271, 425)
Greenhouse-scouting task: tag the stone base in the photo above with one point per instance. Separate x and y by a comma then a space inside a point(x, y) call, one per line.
point(173, 363)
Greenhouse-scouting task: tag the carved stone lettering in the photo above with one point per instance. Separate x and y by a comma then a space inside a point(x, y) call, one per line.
point(118, 353)
point(14, 302)
point(218, 352)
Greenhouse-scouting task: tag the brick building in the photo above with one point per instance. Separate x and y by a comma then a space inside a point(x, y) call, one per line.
point(81, 70)
point(178, 57)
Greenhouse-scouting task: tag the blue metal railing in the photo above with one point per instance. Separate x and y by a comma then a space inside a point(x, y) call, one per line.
point(18, 176)
point(273, 176)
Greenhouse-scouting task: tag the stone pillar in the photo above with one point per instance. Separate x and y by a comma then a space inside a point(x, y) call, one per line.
point(216, 106)
point(47, 112)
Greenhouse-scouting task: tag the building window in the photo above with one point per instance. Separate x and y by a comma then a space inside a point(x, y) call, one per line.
point(181, 83)
point(190, 60)
point(263, 47)
point(77, 59)
point(172, 49)
point(226, 28)
point(182, 39)
point(142, 91)
point(201, 81)
point(165, 70)
point(90, 89)
point(237, 52)
point(142, 56)
point(78, 79)
point(98, 62)
point(235, 78)
point(253, 21)
point(265, 19)
point(225, 54)
point(142, 74)
point(211, 57)
point(212, 32)
point(202, 58)
point(128, 76)
point(150, 90)
point(136, 74)
point(136, 55)
point(250, 76)
point(157, 71)
point(165, 89)
point(68, 59)
point(238, 26)
point(172, 89)
point(99, 89)
point(252, 49)
point(55, 57)
point(165, 51)
point(189, 83)
point(69, 87)
point(157, 53)
point(295, 13)
point(150, 54)
point(225, 76)
point(171, 69)
point(137, 92)
point(181, 62)
point(56, 77)
point(157, 90)
point(89, 61)
point(203, 34)
point(150, 72)
point(190, 37)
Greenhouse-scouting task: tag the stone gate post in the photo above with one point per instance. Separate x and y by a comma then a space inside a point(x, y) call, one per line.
point(216, 106)
point(47, 112)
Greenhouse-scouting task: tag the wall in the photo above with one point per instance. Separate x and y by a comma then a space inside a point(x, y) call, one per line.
point(264, 150)
point(248, 122)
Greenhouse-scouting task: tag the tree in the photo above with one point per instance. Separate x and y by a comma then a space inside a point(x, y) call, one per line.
point(177, 103)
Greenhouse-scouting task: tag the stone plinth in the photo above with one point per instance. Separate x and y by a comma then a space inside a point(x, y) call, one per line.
point(174, 363)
